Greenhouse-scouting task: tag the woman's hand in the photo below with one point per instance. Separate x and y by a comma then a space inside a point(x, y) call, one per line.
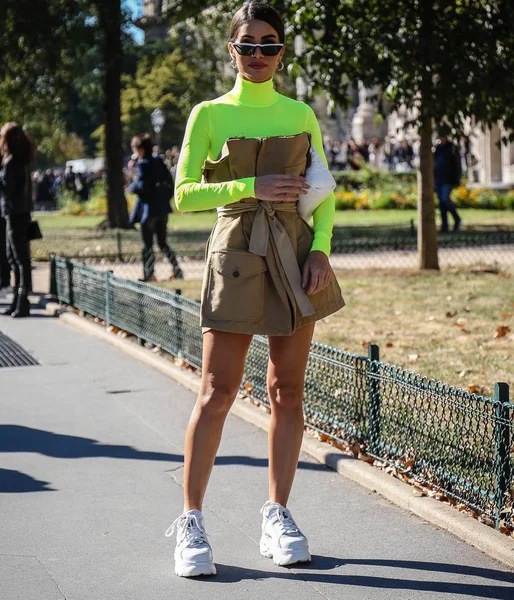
point(316, 273)
point(280, 188)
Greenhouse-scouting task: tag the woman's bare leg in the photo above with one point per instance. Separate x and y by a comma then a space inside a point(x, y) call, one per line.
point(222, 371)
point(286, 376)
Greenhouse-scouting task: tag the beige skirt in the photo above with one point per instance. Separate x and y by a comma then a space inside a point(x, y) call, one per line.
point(258, 293)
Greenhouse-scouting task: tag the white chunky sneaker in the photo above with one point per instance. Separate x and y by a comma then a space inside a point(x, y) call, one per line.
point(193, 553)
point(281, 538)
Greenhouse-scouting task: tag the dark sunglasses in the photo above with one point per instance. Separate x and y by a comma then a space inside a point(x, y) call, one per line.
point(250, 49)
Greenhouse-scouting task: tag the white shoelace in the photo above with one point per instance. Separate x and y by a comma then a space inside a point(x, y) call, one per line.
point(285, 519)
point(190, 528)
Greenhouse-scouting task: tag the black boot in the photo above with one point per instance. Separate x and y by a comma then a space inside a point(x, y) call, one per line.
point(14, 303)
point(23, 305)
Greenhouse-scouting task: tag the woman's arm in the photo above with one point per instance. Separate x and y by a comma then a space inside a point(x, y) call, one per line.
point(144, 182)
point(8, 183)
point(190, 193)
point(324, 215)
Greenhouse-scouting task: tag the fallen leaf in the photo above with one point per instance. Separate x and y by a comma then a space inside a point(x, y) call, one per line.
point(506, 315)
point(451, 314)
point(467, 309)
point(389, 345)
point(369, 459)
point(501, 331)
point(355, 450)
point(248, 387)
point(476, 389)
point(413, 358)
point(366, 344)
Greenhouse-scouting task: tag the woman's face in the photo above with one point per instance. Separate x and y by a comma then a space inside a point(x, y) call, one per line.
point(257, 68)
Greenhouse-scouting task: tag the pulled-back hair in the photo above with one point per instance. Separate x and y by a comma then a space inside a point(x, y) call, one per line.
point(17, 142)
point(261, 12)
point(144, 142)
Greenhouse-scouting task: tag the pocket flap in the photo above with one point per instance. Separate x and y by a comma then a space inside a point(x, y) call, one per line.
point(237, 265)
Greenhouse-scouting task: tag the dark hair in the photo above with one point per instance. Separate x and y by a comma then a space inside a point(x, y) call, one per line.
point(261, 12)
point(18, 143)
point(144, 142)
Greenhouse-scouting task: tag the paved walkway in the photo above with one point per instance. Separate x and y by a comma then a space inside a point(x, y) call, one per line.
point(91, 476)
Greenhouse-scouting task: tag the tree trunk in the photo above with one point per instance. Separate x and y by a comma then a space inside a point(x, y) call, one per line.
point(109, 13)
point(427, 234)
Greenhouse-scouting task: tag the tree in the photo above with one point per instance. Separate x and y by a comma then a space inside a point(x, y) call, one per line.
point(109, 15)
point(47, 92)
point(35, 69)
point(171, 82)
point(448, 62)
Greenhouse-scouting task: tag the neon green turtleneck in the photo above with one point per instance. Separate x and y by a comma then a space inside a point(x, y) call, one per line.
point(248, 110)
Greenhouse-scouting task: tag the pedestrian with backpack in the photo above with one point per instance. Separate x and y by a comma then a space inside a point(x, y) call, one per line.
point(154, 189)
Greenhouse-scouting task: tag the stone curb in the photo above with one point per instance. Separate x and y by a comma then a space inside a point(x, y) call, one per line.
point(486, 539)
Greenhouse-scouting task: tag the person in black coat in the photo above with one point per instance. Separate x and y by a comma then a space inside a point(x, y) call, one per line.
point(154, 189)
point(447, 172)
point(5, 269)
point(15, 207)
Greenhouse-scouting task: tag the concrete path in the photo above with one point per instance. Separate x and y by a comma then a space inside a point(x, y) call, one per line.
point(91, 476)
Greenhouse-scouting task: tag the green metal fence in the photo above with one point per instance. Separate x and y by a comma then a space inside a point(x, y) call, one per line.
point(453, 441)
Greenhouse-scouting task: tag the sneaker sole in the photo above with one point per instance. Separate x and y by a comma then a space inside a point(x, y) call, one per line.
point(284, 558)
point(185, 569)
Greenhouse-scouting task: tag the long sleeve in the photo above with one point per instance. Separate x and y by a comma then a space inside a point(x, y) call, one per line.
point(144, 184)
point(323, 216)
point(8, 184)
point(190, 193)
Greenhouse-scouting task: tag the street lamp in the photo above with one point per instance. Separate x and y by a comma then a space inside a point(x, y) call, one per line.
point(158, 121)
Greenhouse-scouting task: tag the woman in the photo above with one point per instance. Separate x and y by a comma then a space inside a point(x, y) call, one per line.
point(154, 188)
point(18, 152)
point(267, 272)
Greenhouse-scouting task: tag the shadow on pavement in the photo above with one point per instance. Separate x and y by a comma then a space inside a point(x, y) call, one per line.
point(37, 305)
point(14, 482)
point(313, 573)
point(17, 438)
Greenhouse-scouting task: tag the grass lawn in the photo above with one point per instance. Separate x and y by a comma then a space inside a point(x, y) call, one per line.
point(203, 221)
point(441, 325)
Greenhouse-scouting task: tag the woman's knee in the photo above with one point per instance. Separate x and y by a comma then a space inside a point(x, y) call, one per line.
point(285, 395)
point(217, 399)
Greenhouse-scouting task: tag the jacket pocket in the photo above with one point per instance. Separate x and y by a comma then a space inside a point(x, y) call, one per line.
point(235, 287)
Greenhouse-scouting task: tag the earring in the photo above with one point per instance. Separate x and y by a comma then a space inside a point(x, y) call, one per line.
point(233, 64)
point(280, 66)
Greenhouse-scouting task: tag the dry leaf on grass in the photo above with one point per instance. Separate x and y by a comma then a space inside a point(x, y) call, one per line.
point(451, 314)
point(501, 331)
point(476, 389)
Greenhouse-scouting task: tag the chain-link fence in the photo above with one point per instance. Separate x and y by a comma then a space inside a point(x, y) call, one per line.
point(455, 442)
point(354, 248)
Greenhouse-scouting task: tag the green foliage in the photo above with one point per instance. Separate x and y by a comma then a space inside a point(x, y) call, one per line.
point(380, 191)
point(170, 82)
point(366, 177)
point(447, 60)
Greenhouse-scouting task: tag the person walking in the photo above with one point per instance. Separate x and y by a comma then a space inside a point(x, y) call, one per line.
point(447, 173)
point(18, 152)
point(154, 188)
point(267, 272)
